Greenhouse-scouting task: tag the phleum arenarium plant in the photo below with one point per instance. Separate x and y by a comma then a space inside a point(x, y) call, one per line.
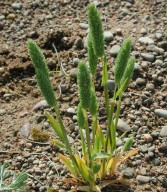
point(96, 166)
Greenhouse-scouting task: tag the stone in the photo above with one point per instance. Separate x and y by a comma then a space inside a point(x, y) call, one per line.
point(41, 104)
point(143, 31)
point(108, 36)
point(146, 40)
point(84, 26)
point(11, 16)
point(159, 62)
point(111, 85)
point(161, 113)
point(122, 126)
point(144, 149)
point(73, 73)
point(150, 87)
point(147, 57)
point(114, 50)
point(163, 132)
point(26, 129)
point(128, 172)
point(158, 35)
point(71, 110)
point(163, 148)
point(148, 138)
point(2, 17)
point(140, 81)
point(2, 111)
point(17, 6)
point(142, 179)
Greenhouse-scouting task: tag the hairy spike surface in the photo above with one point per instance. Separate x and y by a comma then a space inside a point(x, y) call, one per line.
point(121, 60)
point(128, 144)
point(96, 30)
point(93, 103)
point(128, 72)
point(92, 56)
point(84, 84)
point(80, 116)
point(42, 73)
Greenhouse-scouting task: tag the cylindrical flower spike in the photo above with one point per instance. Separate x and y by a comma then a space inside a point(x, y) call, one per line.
point(80, 116)
point(128, 72)
point(93, 104)
point(92, 56)
point(128, 144)
point(121, 60)
point(42, 73)
point(96, 30)
point(84, 83)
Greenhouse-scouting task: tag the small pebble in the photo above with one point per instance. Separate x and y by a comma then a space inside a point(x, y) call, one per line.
point(142, 179)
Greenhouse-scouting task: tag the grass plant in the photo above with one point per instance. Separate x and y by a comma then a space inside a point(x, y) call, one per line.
point(99, 159)
point(17, 183)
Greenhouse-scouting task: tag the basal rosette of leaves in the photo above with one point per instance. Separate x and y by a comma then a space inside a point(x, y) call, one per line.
point(96, 165)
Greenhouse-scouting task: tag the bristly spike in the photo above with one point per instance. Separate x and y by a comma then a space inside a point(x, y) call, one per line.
point(121, 60)
point(42, 73)
point(80, 116)
point(84, 84)
point(128, 144)
point(96, 30)
point(93, 103)
point(92, 56)
point(128, 72)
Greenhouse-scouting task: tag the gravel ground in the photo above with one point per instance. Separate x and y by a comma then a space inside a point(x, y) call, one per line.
point(63, 24)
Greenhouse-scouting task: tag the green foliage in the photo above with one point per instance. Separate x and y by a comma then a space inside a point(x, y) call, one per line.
point(121, 60)
point(41, 72)
point(84, 84)
point(96, 30)
point(17, 183)
point(92, 57)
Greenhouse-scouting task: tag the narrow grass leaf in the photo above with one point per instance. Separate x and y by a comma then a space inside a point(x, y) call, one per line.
point(100, 156)
point(56, 127)
point(83, 169)
point(96, 168)
point(59, 144)
point(68, 164)
point(113, 163)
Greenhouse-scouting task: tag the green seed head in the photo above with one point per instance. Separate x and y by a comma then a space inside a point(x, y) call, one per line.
point(41, 70)
point(84, 84)
point(96, 30)
point(128, 144)
point(92, 57)
point(121, 60)
point(128, 72)
point(93, 103)
point(80, 116)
